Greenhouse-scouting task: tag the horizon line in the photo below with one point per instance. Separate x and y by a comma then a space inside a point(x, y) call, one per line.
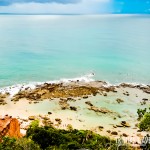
point(5, 13)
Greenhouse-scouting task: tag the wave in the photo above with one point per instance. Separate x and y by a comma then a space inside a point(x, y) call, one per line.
point(12, 90)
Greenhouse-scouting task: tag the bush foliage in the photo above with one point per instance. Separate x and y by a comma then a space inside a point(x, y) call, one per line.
point(144, 124)
point(50, 138)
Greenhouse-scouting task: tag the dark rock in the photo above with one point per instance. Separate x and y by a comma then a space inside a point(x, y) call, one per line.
point(73, 108)
point(46, 118)
point(125, 124)
point(114, 133)
point(58, 120)
point(125, 135)
point(115, 91)
point(89, 103)
point(84, 97)
point(49, 113)
point(143, 103)
point(147, 91)
point(100, 127)
point(101, 110)
point(1, 100)
point(31, 117)
point(119, 125)
point(105, 94)
point(145, 99)
point(119, 100)
point(69, 99)
point(108, 131)
point(139, 131)
point(119, 116)
point(94, 94)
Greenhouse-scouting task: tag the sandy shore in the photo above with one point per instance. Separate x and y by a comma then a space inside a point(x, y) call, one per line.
point(93, 106)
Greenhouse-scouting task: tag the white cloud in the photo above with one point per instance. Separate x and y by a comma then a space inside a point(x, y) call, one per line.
point(84, 7)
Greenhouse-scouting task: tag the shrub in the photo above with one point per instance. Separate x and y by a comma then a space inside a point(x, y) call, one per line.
point(141, 113)
point(34, 124)
point(18, 144)
point(7, 143)
point(26, 144)
point(144, 124)
point(52, 138)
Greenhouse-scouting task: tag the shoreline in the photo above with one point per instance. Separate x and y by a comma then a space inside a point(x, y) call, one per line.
point(92, 105)
point(14, 89)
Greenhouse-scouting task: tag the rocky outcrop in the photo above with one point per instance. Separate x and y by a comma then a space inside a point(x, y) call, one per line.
point(62, 90)
point(145, 99)
point(63, 104)
point(49, 113)
point(9, 127)
point(125, 124)
point(144, 88)
point(31, 117)
point(2, 98)
point(125, 135)
point(100, 128)
point(100, 110)
point(58, 120)
point(2, 102)
point(119, 100)
point(110, 89)
point(84, 97)
point(89, 103)
point(72, 90)
point(147, 91)
point(50, 91)
point(73, 108)
point(114, 133)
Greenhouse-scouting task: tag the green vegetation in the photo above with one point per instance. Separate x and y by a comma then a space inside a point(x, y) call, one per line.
point(141, 113)
point(144, 124)
point(18, 144)
point(34, 124)
point(144, 118)
point(50, 138)
point(7, 143)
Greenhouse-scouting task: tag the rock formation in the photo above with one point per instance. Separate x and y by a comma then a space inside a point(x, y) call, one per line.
point(101, 110)
point(9, 127)
point(2, 98)
point(119, 100)
point(51, 91)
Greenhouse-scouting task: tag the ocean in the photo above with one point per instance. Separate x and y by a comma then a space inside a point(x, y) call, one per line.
point(39, 48)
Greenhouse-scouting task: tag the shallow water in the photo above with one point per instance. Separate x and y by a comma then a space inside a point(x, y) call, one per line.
point(42, 48)
point(84, 118)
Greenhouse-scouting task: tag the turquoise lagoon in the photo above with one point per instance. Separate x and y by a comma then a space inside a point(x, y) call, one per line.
point(37, 48)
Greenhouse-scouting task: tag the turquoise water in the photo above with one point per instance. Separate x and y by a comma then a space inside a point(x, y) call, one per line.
point(43, 48)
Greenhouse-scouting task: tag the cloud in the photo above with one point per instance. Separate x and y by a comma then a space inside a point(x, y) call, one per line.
point(58, 6)
point(10, 2)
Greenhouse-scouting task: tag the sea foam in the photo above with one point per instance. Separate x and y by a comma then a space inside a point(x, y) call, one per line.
point(14, 89)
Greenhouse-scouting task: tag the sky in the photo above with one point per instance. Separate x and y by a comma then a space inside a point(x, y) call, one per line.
point(76, 6)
